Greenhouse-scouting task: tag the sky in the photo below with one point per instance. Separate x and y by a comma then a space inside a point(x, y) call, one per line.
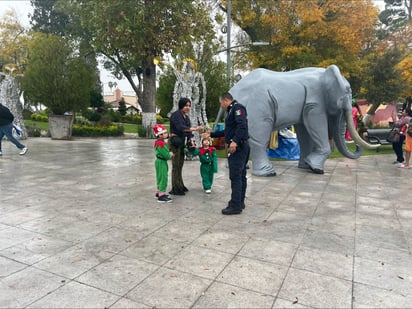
point(23, 8)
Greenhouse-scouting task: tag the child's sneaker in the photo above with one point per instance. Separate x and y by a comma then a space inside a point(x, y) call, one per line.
point(164, 199)
point(208, 191)
point(157, 195)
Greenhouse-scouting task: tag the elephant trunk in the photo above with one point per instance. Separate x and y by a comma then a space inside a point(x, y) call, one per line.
point(343, 121)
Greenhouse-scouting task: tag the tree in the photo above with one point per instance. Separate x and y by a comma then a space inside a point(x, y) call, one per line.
point(96, 99)
point(405, 66)
point(395, 15)
point(49, 17)
point(13, 42)
point(306, 33)
point(397, 34)
point(131, 34)
point(57, 76)
point(384, 81)
point(164, 94)
point(58, 17)
point(122, 107)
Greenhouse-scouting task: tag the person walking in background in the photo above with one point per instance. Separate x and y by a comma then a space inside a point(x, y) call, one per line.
point(6, 129)
point(356, 114)
point(162, 154)
point(236, 135)
point(180, 130)
point(400, 123)
point(408, 146)
point(208, 163)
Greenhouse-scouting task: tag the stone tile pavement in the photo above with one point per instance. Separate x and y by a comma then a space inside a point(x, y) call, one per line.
point(80, 228)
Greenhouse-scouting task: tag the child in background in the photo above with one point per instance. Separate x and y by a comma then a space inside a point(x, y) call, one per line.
point(208, 163)
point(162, 154)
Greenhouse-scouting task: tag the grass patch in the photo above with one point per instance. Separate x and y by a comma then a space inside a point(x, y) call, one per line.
point(384, 149)
point(36, 124)
point(130, 127)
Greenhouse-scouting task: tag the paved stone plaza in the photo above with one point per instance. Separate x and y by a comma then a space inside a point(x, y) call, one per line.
point(80, 228)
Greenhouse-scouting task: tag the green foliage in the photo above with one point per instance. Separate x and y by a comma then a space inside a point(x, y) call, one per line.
point(48, 17)
point(306, 33)
point(122, 107)
point(39, 117)
point(91, 115)
point(33, 131)
point(143, 131)
point(27, 114)
point(384, 81)
point(96, 99)
point(394, 16)
point(164, 94)
point(139, 31)
point(214, 73)
point(13, 42)
point(136, 119)
point(93, 131)
point(216, 84)
point(56, 76)
point(160, 119)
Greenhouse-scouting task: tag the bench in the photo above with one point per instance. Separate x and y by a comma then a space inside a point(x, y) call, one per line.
point(377, 136)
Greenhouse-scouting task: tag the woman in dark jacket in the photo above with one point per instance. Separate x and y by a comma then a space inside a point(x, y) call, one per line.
point(180, 130)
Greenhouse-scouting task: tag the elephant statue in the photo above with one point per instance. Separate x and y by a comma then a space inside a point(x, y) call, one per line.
point(317, 101)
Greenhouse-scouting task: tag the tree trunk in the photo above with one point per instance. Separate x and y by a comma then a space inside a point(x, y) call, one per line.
point(149, 96)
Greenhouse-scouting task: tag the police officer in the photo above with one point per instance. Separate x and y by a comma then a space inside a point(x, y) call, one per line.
point(236, 137)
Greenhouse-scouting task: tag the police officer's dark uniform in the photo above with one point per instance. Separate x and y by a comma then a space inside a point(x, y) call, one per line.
point(236, 129)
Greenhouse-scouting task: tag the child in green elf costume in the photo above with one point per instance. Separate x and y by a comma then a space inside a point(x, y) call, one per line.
point(162, 154)
point(208, 163)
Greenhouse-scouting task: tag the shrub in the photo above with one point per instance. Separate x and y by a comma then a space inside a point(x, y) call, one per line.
point(38, 117)
point(33, 131)
point(94, 131)
point(134, 119)
point(160, 119)
point(113, 116)
point(27, 114)
point(142, 131)
point(91, 115)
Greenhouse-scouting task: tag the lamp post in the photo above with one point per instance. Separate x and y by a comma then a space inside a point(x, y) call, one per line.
point(228, 43)
point(228, 55)
point(229, 46)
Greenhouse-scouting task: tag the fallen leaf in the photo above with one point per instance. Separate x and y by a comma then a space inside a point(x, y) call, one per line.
point(295, 301)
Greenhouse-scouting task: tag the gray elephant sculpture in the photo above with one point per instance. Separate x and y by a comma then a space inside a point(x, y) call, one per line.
point(317, 101)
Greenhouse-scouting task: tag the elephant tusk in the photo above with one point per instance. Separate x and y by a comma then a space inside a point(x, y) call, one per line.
point(355, 135)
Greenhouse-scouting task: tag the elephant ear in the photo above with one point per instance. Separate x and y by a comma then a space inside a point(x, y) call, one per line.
point(337, 90)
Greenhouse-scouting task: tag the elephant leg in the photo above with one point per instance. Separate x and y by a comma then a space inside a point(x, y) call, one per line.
point(305, 144)
point(261, 165)
point(316, 123)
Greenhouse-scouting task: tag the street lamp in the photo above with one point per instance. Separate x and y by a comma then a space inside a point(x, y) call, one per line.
point(229, 47)
point(228, 57)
